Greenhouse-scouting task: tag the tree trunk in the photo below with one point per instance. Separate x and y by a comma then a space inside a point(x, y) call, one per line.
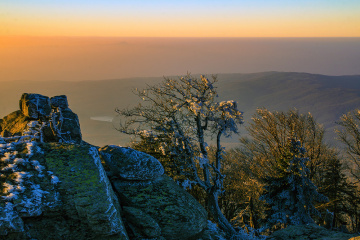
point(218, 216)
point(253, 220)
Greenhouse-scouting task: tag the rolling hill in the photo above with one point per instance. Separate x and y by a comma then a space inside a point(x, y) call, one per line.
point(326, 97)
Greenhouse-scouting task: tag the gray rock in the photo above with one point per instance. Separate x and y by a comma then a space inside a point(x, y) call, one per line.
point(60, 191)
point(35, 105)
point(131, 164)
point(145, 224)
point(211, 232)
point(59, 102)
point(59, 124)
point(308, 231)
point(178, 214)
point(66, 126)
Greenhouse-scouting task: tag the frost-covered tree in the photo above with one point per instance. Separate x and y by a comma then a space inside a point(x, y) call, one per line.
point(177, 117)
point(349, 134)
point(269, 132)
point(240, 201)
point(291, 194)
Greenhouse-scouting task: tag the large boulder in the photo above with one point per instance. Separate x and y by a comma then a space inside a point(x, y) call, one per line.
point(130, 164)
point(34, 105)
point(56, 191)
point(178, 214)
point(307, 232)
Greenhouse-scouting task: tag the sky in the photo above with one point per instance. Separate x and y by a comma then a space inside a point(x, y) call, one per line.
point(75, 40)
point(186, 18)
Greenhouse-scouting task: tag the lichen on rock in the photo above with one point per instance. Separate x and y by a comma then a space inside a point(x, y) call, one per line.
point(64, 184)
point(25, 190)
point(85, 188)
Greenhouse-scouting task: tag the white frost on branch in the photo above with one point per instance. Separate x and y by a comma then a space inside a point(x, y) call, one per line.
point(55, 179)
point(202, 161)
point(207, 83)
point(37, 166)
point(20, 176)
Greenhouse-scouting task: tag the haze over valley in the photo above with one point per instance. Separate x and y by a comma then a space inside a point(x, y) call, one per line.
point(98, 58)
point(98, 74)
point(326, 97)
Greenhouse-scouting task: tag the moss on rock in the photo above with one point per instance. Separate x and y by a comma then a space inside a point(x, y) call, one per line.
point(85, 185)
point(178, 214)
point(63, 194)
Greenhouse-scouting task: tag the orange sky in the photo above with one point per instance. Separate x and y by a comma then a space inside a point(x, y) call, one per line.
point(91, 39)
point(227, 18)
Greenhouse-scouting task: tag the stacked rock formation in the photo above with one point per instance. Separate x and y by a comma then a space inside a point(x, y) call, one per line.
point(53, 185)
point(52, 119)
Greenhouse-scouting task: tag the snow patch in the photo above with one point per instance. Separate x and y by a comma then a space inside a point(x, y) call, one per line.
point(37, 165)
point(19, 176)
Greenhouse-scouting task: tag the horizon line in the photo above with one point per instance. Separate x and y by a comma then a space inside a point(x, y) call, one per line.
point(177, 75)
point(90, 36)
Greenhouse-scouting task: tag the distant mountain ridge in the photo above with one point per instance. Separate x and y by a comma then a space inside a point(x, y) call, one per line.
point(326, 97)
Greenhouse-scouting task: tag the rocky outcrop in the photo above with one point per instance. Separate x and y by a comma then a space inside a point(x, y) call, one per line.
point(310, 232)
point(51, 118)
point(53, 185)
point(56, 191)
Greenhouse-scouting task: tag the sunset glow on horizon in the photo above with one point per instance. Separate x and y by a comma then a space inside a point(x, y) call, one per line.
point(75, 40)
point(259, 18)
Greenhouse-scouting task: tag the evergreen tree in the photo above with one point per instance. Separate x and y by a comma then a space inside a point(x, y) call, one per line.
point(291, 194)
point(341, 193)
